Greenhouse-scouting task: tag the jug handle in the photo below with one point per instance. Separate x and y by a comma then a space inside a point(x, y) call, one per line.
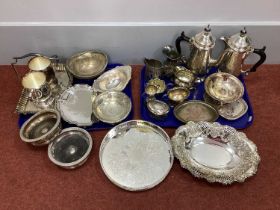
point(182, 37)
point(261, 53)
point(54, 57)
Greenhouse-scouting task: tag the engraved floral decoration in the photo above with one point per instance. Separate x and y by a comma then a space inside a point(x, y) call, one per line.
point(245, 149)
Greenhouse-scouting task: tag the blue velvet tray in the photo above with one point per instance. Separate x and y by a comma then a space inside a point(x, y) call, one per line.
point(170, 121)
point(95, 126)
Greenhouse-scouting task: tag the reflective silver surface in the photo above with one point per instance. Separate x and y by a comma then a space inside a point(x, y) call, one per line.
point(233, 110)
point(87, 65)
point(178, 94)
point(154, 69)
point(195, 111)
point(136, 155)
point(224, 87)
point(115, 79)
point(111, 106)
point(75, 105)
point(70, 148)
point(157, 108)
point(41, 128)
point(237, 48)
point(214, 152)
point(201, 49)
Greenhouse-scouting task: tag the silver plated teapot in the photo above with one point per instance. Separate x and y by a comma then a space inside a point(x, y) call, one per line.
point(237, 49)
point(201, 45)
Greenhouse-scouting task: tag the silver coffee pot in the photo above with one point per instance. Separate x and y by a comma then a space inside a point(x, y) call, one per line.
point(201, 45)
point(237, 49)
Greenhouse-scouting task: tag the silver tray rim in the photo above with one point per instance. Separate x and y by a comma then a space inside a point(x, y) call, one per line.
point(136, 123)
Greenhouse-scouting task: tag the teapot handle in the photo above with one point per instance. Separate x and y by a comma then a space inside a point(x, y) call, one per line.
point(261, 53)
point(183, 37)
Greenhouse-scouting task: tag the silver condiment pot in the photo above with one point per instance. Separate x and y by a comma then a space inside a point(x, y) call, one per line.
point(237, 48)
point(201, 46)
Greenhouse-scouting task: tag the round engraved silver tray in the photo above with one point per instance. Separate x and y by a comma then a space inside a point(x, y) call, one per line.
point(136, 155)
point(75, 105)
point(214, 152)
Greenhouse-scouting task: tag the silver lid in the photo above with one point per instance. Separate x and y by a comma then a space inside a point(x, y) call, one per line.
point(204, 40)
point(240, 42)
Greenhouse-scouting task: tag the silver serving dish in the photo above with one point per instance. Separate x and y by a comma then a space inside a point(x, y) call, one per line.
point(158, 83)
point(224, 87)
point(136, 155)
point(214, 152)
point(75, 105)
point(151, 90)
point(233, 110)
point(26, 106)
point(184, 77)
point(158, 109)
point(115, 79)
point(41, 128)
point(70, 148)
point(111, 106)
point(87, 65)
point(196, 111)
point(178, 94)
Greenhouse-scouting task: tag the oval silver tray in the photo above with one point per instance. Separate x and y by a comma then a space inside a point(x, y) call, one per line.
point(115, 79)
point(214, 152)
point(75, 105)
point(136, 155)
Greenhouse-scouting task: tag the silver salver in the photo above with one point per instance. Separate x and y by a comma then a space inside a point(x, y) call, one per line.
point(75, 105)
point(115, 79)
point(214, 152)
point(136, 155)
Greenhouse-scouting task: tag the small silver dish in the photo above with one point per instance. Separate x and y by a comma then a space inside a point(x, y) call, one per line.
point(87, 65)
point(178, 94)
point(115, 79)
point(75, 105)
point(151, 90)
point(71, 148)
point(195, 111)
point(111, 107)
point(41, 128)
point(224, 87)
point(160, 84)
point(157, 108)
point(233, 110)
point(136, 155)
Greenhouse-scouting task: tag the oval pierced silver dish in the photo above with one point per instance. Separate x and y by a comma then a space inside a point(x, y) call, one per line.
point(87, 65)
point(75, 105)
point(111, 106)
point(233, 110)
point(214, 152)
point(115, 79)
point(136, 155)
